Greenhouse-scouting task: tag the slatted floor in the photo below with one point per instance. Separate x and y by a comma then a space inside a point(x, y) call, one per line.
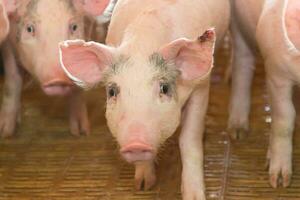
point(43, 161)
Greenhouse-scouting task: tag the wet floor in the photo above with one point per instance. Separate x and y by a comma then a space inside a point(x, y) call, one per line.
point(43, 161)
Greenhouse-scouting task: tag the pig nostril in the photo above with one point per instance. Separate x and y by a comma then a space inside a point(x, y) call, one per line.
point(57, 83)
point(137, 152)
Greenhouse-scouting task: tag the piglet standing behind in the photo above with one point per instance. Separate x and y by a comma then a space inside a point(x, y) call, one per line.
point(272, 27)
point(156, 70)
point(4, 23)
point(36, 28)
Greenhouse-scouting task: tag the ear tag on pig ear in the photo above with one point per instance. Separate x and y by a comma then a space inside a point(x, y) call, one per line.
point(207, 35)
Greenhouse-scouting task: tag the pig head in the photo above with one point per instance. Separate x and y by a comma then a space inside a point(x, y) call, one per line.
point(37, 27)
point(145, 95)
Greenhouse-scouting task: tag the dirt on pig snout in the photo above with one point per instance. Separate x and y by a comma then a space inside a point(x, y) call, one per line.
point(45, 162)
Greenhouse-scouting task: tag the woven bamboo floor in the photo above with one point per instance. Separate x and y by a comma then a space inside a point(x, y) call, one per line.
point(43, 161)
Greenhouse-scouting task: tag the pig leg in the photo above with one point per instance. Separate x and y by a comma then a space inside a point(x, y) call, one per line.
point(191, 145)
point(79, 122)
point(242, 73)
point(144, 175)
point(283, 118)
point(11, 102)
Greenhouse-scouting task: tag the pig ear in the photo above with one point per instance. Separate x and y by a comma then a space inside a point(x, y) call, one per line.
point(193, 58)
point(92, 7)
point(84, 62)
point(10, 6)
point(4, 24)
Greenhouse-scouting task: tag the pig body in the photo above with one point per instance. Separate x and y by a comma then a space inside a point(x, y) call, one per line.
point(37, 27)
point(4, 23)
point(157, 76)
point(272, 27)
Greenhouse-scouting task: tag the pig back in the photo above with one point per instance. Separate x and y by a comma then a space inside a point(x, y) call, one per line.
point(183, 18)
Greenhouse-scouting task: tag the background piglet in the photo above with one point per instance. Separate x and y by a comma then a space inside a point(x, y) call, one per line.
point(37, 27)
point(102, 23)
point(156, 70)
point(272, 26)
point(4, 23)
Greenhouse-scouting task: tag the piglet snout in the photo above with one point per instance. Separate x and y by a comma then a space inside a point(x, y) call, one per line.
point(57, 87)
point(137, 151)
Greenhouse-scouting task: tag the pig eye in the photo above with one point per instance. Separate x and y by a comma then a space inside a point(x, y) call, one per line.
point(165, 89)
point(112, 91)
point(73, 28)
point(30, 29)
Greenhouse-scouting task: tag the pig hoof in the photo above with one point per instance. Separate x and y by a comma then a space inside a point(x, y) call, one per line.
point(145, 177)
point(79, 125)
point(280, 175)
point(280, 164)
point(145, 183)
point(238, 133)
point(238, 127)
point(276, 180)
point(8, 123)
point(286, 180)
point(77, 129)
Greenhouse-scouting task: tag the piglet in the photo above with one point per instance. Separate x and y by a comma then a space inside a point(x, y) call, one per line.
point(4, 23)
point(272, 27)
point(156, 69)
point(37, 27)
